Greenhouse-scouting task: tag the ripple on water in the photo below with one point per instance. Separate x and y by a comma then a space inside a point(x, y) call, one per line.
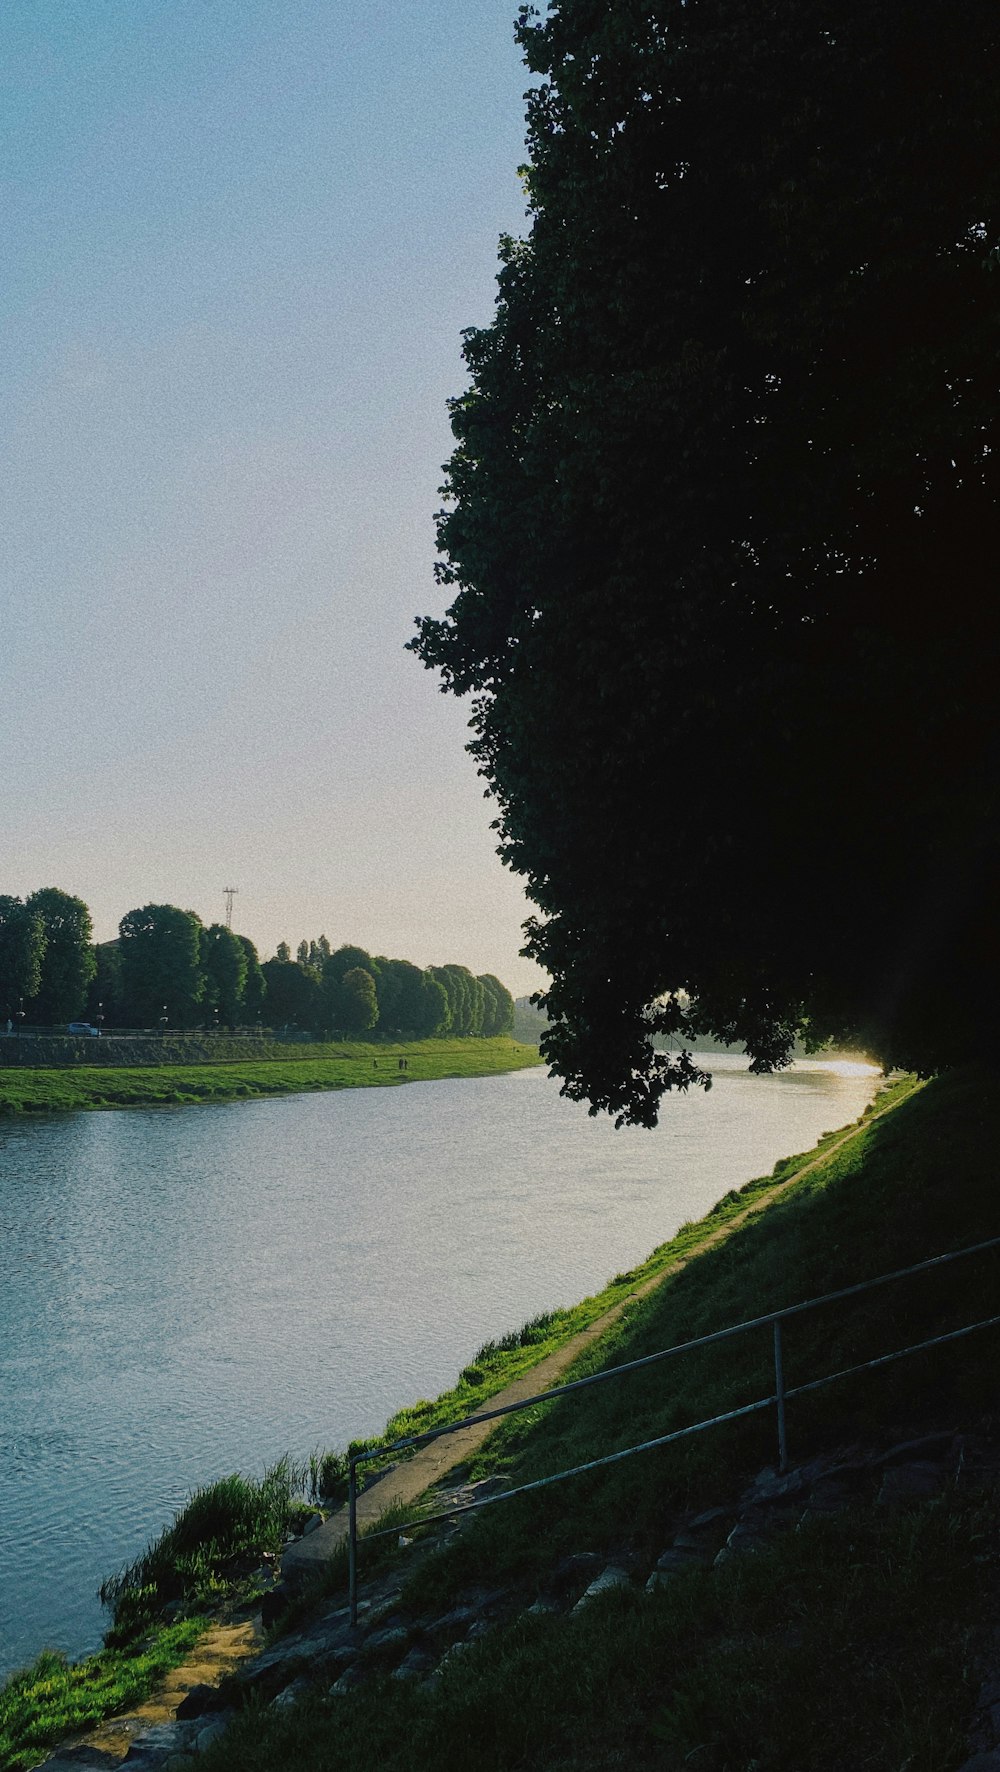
point(188, 1292)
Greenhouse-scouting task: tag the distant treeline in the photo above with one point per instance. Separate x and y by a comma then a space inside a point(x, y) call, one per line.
point(167, 968)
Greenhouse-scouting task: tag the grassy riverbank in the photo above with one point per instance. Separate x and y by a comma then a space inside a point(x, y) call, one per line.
point(858, 1640)
point(350, 1065)
point(207, 1546)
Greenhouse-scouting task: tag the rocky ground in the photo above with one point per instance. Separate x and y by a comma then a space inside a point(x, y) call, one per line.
point(329, 1656)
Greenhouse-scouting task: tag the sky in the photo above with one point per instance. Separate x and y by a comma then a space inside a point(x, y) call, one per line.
point(241, 241)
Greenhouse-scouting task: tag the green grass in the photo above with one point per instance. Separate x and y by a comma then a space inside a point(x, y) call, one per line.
point(53, 1698)
point(498, 1363)
point(851, 1643)
point(348, 1066)
point(847, 1646)
point(199, 1560)
point(224, 1526)
point(917, 1182)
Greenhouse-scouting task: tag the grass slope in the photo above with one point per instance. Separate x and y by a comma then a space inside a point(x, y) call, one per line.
point(498, 1363)
point(850, 1644)
point(350, 1066)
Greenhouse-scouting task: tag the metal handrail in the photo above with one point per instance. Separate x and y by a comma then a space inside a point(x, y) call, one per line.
point(776, 1400)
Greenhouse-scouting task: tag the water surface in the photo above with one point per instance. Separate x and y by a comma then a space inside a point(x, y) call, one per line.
point(190, 1291)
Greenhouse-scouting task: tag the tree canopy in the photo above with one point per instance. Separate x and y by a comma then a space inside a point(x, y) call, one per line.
point(721, 525)
point(223, 958)
point(166, 969)
point(159, 949)
point(68, 961)
point(22, 949)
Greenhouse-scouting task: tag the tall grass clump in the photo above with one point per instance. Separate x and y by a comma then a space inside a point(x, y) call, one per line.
point(235, 1519)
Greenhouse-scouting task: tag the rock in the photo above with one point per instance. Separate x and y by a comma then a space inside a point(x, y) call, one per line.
point(769, 1482)
point(351, 1676)
point(574, 1572)
point(274, 1603)
point(331, 1661)
point(908, 1450)
point(312, 1524)
point(264, 1680)
point(78, 1759)
point(746, 1536)
point(683, 1556)
point(413, 1664)
point(911, 1482)
point(488, 1486)
point(713, 1519)
point(459, 1618)
point(291, 1694)
point(158, 1740)
point(390, 1637)
point(706, 1531)
point(610, 1578)
point(197, 1701)
point(212, 1732)
point(452, 1654)
point(384, 1606)
point(831, 1494)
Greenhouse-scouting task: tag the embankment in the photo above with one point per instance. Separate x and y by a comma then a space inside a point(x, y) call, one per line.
point(855, 1635)
point(347, 1065)
point(857, 1629)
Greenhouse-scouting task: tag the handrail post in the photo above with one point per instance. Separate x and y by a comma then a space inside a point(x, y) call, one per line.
point(352, 1538)
point(779, 1396)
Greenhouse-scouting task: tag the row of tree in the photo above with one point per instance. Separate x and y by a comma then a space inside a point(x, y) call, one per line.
point(169, 968)
point(352, 990)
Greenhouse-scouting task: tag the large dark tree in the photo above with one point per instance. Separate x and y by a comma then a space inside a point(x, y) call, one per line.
point(68, 963)
point(498, 1006)
point(22, 950)
point(355, 1007)
point(254, 986)
point(224, 965)
point(104, 997)
point(159, 952)
point(410, 1001)
point(722, 530)
point(294, 997)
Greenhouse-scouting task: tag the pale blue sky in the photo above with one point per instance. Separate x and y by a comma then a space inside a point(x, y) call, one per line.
point(240, 243)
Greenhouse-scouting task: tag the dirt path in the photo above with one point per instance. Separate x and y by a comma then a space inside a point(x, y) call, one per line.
point(404, 1485)
point(217, 1653)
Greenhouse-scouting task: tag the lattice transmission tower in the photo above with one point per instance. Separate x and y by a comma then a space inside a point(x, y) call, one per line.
point(229, 893)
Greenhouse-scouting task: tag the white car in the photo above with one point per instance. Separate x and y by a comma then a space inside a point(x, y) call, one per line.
point(84, 1027)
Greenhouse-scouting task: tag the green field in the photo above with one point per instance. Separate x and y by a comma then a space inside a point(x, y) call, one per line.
point(353, 1065)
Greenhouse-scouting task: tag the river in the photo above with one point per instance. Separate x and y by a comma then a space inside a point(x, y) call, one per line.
point(190, 1291)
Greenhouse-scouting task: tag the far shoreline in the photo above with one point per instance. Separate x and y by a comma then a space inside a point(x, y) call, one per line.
point(26, 1090)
